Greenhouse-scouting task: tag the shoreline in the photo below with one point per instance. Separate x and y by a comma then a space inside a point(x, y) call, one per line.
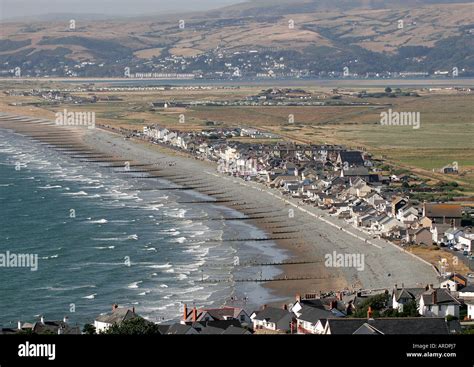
point(181, 257)
point(311, 235)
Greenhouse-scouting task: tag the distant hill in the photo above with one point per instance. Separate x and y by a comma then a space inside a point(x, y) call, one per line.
point(283, 7)
point(312, 36)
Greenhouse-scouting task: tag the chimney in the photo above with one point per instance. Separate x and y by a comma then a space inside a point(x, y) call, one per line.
point(19, 325)
point(396, 286)
point(431, 286)
point(42, 319)
point(185, 312)
point(65, 319)
point(369, 313)
point(298, 297)
point(264, 307)
point(133, 309)
point(285, 307)
point(114, 307)
point(194, 314)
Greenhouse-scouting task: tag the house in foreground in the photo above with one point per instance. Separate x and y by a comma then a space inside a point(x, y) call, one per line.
point(438, 302)
point(467, 296)
point(215, 314)
point(403, 296)
point(59, 327)
point(117, 316)
point(387, 326)
point(272, 319)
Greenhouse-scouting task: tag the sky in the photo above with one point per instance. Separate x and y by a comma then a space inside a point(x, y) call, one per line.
point(28, 8)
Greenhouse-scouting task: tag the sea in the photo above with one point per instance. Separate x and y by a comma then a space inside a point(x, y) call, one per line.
point(103, 238)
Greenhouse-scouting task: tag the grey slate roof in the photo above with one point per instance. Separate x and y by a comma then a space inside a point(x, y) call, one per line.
point(352, 157)
point(391, 325)
point(233, 330)
point(271, 314)
point(178, 329)
point(313, 314)
point(443, 297)
point(54, 326)
point(410, 293)
point(117, 316)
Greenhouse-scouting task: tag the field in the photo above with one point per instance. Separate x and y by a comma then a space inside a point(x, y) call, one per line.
point(445, 135)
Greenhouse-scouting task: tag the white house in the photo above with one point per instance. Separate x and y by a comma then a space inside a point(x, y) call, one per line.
point(452, 235)
point(271, 318)
point(385, 224)
point(402, 296)
point(117, 316)
point(454, 283)
point(466, 240)
point(407, 214)
point(215, 314)
point(169, 136)
point(467, 295)
point(312, 320)
point(438, 302)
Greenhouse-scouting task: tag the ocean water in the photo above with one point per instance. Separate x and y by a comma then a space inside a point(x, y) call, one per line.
point(104, 238)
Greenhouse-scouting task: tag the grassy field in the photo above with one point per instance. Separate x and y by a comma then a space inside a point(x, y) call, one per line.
point(445, 135)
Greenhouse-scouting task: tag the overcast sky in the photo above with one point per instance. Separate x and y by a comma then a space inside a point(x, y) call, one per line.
point(19, 8)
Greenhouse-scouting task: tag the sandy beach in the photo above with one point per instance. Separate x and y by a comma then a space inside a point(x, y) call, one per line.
point(308, 233)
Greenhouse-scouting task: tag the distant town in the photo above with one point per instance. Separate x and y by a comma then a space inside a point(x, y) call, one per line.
point(215, 65)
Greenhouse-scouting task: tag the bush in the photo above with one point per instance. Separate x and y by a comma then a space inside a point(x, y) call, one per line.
point(134, 326)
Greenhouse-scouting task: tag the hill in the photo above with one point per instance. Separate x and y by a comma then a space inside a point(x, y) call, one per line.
point(292, 38)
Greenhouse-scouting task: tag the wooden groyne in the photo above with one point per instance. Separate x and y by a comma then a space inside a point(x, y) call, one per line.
point(262, 280)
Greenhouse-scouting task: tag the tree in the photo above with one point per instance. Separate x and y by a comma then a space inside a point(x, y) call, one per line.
point(388, 90)
point(377, 303)
point(134, 326)
point(469, 330)
point(88, 329)
point(410, 309)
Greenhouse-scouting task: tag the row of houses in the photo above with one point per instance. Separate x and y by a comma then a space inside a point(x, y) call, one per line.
point(346, 183)
point(438, 311)
point(329, 315)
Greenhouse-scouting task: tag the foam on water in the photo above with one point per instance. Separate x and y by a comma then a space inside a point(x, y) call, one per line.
point(111, 240)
